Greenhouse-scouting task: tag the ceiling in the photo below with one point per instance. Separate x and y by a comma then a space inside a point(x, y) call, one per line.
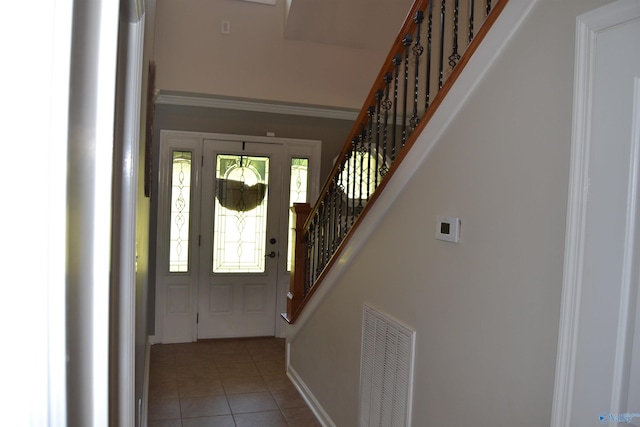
point(362, 24)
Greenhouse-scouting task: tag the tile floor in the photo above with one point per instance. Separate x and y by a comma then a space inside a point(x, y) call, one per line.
point(224, 383)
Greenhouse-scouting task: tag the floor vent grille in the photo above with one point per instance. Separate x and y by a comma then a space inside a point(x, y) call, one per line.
point(386, 373)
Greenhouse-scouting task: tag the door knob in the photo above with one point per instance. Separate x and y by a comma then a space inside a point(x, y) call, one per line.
point(271, 254)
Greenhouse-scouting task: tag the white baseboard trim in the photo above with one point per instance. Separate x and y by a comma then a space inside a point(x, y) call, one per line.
point(314, 405)
point(144, 407)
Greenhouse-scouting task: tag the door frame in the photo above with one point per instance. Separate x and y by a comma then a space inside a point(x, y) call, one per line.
point(291, 147)
point(588, 26)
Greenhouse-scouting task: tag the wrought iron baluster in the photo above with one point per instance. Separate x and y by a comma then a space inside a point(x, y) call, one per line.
point(313, 230)
point(352, 173)
point(455, 56)
point(350, 186)
point(471, 11)
point(397, 60)
point(488, 7)
point(429, 51)
point(379, 95)
point(336, 219)
point(321, 240)
point(417, 53)
point(406, 41)
point(386, 106)
point(441, 61)
point(361, 151)
point(341, 207)
point(370, 114)
point(325, 230)
point(308, 279)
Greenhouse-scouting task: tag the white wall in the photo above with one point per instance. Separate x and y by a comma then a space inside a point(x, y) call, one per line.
point(486, 310)
point(254, 61)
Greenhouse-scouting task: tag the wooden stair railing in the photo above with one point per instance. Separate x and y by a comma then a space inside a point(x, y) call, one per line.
point(432, 48)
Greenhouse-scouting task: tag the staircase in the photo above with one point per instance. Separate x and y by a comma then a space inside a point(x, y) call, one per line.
point(433, 47)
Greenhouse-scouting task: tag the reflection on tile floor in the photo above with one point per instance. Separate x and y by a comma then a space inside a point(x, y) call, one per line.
point(224, 383)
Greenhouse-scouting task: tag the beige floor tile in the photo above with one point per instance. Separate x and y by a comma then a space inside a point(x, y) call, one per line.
point(261, 419)
point(164, 409)
point(224, 383)
point(244, 385)
point(237, 369)
point(278, 382)
point(195, 387)
point(204, 406)
point(165, 423)
point(218, 421)
point(288, 399)
point(300, 417)
point(251, 402)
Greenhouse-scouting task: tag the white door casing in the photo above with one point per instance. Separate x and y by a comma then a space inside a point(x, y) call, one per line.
point(177, 294)
point(598, 364)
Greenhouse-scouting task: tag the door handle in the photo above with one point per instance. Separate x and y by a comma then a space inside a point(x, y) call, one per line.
point(271, 254)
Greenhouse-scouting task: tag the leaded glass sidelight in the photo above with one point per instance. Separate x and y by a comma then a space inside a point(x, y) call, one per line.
point(180, 204)
point(240, 214)
point(297, 194)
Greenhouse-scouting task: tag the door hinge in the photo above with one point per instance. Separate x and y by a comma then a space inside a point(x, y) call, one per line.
point(199, 239)
point(197, 318)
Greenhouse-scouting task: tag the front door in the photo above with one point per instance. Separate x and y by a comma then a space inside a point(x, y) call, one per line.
point(240, 239)
point(223, 232)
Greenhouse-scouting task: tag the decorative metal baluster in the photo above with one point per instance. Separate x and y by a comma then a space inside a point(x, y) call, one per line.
point(379, 95)
point(429, 50)
point(361, 151)
point(341, 193)
point(308, 242)
point(335, 194)
point(406, 41)
point(308, 261)
point(397, 60)
point(455, 56)
point(417, 52)
point(352, 163)
point(370, 113)
point(315, 242)
point(345, 166)
point(471, 11)
point(386, 106)
point(441, 62)
point(321, 240)
point(488, 7)
point(325, 229)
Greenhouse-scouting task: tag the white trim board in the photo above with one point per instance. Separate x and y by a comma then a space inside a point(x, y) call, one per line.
point(188, 100)
point(313, 403)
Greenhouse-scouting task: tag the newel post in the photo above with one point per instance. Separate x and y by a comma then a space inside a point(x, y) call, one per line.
point(295, 296)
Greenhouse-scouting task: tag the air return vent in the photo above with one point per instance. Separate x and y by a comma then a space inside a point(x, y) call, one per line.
point(386, 373)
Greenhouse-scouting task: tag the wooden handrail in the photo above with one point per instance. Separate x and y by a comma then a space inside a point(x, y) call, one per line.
point(300, 290)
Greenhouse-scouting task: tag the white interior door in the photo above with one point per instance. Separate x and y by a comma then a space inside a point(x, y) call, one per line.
point(240, 248)
point(598, 373)
point(223, 232)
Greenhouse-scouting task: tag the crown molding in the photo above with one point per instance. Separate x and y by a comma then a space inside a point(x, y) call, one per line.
point(257, 106)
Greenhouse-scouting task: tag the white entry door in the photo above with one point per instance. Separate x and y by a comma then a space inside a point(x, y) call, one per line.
point(222, 263)
point(240, 239)
point(598, 372)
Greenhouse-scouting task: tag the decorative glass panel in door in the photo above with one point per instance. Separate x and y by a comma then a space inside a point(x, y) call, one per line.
point(240, 220)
